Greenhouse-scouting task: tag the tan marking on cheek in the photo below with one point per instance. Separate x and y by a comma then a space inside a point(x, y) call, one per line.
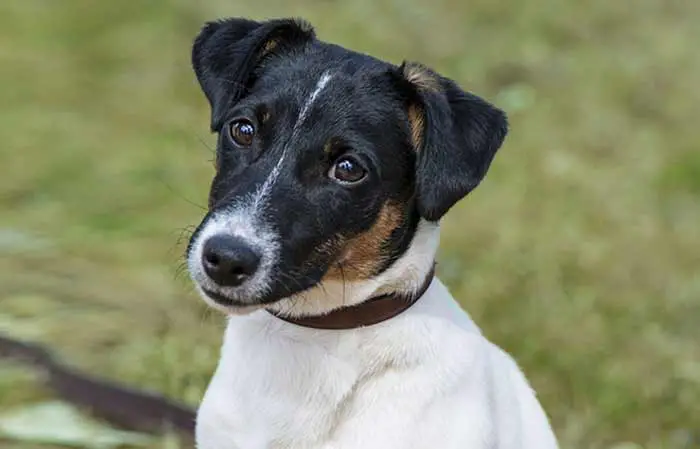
point(361, 256)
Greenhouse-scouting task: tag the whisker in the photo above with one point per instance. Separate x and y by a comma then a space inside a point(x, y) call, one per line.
point(180, 271)
point(180, 195)
point(205, 144)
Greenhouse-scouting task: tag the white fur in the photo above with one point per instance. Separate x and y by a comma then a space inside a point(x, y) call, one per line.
point(246, 219)
point(425, 379)
point(406, 275)
point(241, 220)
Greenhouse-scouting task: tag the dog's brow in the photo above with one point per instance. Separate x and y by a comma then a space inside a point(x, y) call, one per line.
point(264, 191)
point(310, 100)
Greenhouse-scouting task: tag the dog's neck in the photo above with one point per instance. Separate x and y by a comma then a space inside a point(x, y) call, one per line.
point(367, 313)
point(405, 277)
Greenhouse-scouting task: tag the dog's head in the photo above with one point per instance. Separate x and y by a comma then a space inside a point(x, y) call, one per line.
point(332, 167)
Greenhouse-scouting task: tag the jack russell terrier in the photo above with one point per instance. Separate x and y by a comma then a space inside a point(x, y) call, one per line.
point(333, 169)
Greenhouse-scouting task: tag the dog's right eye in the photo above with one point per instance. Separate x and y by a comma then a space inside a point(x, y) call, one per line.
point(242, 132)
point(347, 170)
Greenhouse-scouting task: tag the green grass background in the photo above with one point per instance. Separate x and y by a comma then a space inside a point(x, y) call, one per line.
point(579, 254)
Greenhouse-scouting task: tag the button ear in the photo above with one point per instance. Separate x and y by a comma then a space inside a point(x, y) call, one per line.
point(456, 135)
point(226, 53)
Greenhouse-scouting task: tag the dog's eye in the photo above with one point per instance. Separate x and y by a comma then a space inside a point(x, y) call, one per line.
point(242, 132)
point(347, 170)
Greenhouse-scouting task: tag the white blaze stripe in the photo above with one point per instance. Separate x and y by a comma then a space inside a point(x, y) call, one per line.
point(245, 220)
point(305, 109)
point(274, 174)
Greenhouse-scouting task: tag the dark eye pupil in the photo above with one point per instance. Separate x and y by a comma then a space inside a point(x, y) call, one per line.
point(346, 166)
point(245, 129)
point(348, 171)
point(242, 132)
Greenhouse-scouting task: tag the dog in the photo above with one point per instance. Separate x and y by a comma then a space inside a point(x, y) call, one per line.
point(332, 172)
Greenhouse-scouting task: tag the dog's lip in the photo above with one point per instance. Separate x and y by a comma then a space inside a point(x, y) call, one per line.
point(227, 301)
point(223, 299)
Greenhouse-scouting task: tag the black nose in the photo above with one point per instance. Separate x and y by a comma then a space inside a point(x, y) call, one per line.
point(229, 260)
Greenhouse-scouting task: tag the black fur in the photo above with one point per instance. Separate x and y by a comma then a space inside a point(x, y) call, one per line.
point(226, 53)
point(362, 112)
point(463, 134)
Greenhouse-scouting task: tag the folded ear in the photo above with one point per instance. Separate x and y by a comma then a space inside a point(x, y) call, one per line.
point(226, 53)
point(456, 135)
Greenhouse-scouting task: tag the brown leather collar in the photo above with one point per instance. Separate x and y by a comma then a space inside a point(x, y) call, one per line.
point(367, 313)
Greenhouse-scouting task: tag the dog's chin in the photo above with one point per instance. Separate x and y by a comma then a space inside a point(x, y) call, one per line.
point(233, 305)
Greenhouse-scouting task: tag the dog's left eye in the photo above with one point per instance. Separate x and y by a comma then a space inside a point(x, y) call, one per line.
point(242, 132)
point(347, 170)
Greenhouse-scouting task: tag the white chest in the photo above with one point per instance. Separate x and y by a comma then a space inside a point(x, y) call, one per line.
point(423, 380)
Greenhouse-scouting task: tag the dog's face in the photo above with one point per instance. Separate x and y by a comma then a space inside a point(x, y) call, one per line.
point(327, 160)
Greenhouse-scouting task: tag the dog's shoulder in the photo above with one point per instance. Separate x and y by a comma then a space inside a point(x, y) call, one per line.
point(485, 384)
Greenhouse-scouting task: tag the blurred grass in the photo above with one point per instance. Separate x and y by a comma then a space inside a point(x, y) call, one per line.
point(580, 253)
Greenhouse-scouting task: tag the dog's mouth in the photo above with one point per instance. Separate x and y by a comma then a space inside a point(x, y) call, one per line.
point(269, 290)
point(230, 302)
point(224, 300)
point(238, 264)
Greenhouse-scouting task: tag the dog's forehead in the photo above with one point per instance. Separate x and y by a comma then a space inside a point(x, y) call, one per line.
point(328, 93)
point(341, 75)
